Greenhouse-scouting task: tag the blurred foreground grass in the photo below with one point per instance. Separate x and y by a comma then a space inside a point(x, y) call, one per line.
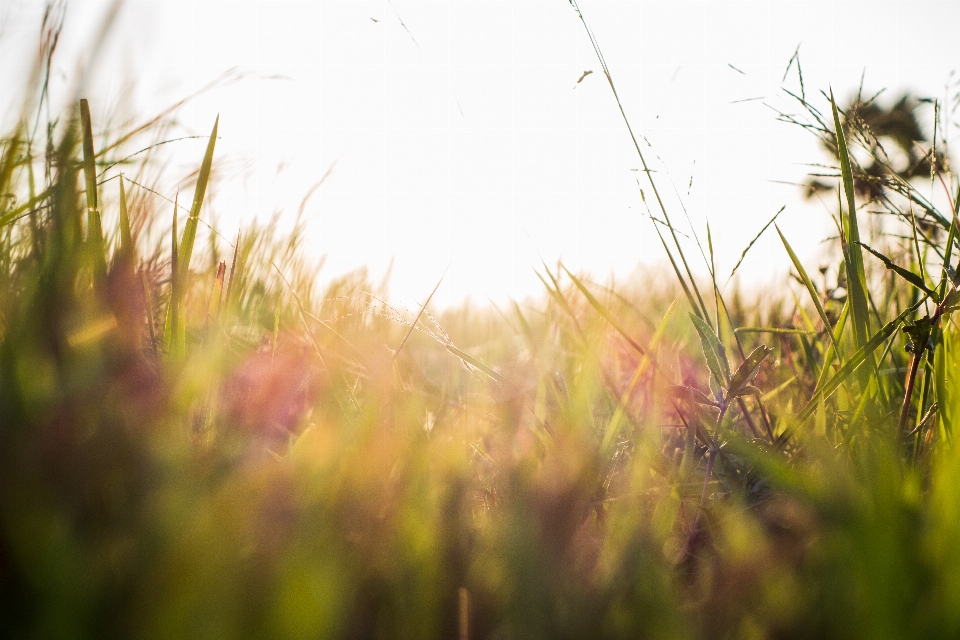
point(204, 445)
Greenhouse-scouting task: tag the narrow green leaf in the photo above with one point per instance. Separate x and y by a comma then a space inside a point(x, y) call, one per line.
point(906, 274)
point(127, 249)
point(856, 279)
point(474, 362)
point(89, 162)
point(94, 230)
point(775, 330)
point(213, 310)
point(809, 285)
point(854, 362)
point(171, 327)
point(605, 313)
point(190, 228)
point(752, 242)
point(227, 299)
point(832, 350)
point(148, 303)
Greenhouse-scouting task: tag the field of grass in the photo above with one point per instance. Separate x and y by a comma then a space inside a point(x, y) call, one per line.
point(196, 441)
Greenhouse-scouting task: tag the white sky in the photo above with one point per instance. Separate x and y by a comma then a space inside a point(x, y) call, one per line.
point(467, 140)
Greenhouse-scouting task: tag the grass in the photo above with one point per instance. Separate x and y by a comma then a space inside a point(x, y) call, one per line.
point(198, 442)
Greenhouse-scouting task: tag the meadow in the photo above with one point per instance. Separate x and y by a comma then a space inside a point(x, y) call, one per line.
point(197, 440)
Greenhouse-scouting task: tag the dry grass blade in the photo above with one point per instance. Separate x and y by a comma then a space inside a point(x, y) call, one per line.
point(605, 313)
point(416, 320)
point(752, 242)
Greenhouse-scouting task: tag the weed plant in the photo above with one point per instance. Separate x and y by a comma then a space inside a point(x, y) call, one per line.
point(204, 445)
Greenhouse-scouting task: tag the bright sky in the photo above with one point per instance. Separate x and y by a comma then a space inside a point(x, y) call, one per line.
point(461, 136)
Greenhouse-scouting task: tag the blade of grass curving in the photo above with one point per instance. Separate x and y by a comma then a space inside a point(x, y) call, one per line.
point(94, 231)
point(775, 330)
point(605, 313)
point(213, 309)
point(233, 274)
point(914, 279)
point(636, 145)
point(171, 328)
point(473, 362)
point(832, 349)
point(857, 359)
point(752, 242)
point(809, 285)
point(190, 228)
point(856, 279)
point(946, 278)
point(676, 270)
point(713, 280)
point(148, 304)
point(416, 320)
point(127, 249)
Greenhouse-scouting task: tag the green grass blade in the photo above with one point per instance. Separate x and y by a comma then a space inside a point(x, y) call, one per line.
point(856, 279)
point(190, 228)
point(752, 242)
point(775, 330)
point(227, 299)
point(127, 249)
point(832, 349)
point(857, 359)
point(605, 313)
point(171, 327)
point(94, 230)
point(809, 285)
point(906, 274)
point(474, 362)
point(676, 270)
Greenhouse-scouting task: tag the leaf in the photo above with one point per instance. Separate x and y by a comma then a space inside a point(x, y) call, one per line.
point(832, 351)
point(856, 280)
point(809, 285)
point(171, 327)
point(854, 362)
point(691, 394)
point(473, 362)
point(906, 274)
point(127, 249)
point(747, 371)
point(605, 313)
point(94, 230)
point(190, 228)
point(233, 274)
point(752, 242)
point(919, 333)
point(746, 390)
point(213, 311)
point(775, 330)
point(713, 351)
